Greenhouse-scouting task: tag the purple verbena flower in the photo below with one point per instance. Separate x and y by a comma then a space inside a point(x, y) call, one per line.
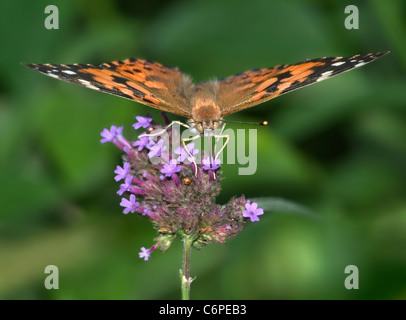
point(122, 172)
point(252, 211)
point(183, 204)
point(183, 154)
point(129, 205)
point(115, 135)
point(125, 186)
point(143, 142)
point(146, 253)
point(170, 168)
point(157, 149)
point(210, 164)
point(142, 122)
point(110, 135)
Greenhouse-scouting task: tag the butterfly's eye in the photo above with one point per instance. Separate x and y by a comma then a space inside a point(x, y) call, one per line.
point(199, 127)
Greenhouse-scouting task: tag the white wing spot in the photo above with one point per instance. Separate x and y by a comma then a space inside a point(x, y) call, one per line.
point(87, 84)
point(324, 75)
point(359, 64)
point(68, 72)
point(53, 75)
point(337, 64)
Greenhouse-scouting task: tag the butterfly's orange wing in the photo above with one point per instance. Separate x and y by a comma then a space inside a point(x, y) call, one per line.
point(146, 82)
point(253, 87)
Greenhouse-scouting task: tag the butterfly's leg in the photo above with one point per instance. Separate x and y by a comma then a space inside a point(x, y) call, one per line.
point(217, 137)
point(187, 150)
point(227, 137)
point(164, 129)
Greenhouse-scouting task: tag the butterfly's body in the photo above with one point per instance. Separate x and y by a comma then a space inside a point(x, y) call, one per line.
point(207, 103)
point(205, 112)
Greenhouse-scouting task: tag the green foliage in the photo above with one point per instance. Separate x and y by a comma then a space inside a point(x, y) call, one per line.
point(333, 156)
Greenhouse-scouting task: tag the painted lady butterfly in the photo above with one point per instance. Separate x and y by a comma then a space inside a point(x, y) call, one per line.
point(206, 103)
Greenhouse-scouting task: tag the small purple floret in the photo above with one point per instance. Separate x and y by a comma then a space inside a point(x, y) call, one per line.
point(146, 253)
point(210, 164)
point(126, 186)
point(171, 168)
point(129, 205)
point(157, 149)
point(122, 172)
point(143, 142)
point(252, 211)
point(110, 135)
point(142, 122)
point(183, 154)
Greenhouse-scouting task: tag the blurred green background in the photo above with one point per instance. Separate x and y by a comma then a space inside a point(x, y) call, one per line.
point(337, 148)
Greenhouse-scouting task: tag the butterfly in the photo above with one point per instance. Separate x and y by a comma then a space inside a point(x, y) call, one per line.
point(207, 103)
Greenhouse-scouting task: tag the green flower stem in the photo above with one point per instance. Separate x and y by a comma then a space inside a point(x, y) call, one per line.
point(186, 280)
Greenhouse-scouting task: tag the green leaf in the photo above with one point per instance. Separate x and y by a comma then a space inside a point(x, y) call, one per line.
point(284, 206)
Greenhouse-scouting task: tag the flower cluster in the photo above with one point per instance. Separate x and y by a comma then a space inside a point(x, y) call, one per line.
point(178, 198)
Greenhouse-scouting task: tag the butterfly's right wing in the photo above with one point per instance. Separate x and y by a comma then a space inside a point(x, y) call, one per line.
point(253, 87)
point(149, 83)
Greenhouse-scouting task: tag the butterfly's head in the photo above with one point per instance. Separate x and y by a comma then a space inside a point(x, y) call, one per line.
point(208, 127)
point(206, 114)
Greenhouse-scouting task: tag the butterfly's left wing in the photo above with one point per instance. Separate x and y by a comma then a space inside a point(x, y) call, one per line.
point(146, 82)
point(253, 87)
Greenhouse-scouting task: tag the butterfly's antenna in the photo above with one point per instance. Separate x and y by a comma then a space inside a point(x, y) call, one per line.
point(262, 123)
